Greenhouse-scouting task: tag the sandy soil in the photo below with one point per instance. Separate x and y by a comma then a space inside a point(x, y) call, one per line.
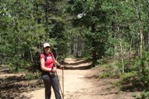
point(80, 82)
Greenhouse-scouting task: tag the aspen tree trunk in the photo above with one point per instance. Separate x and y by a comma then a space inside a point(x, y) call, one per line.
point(114, 37)
point(121, 50)
point(121, 54)
point(131, 42)
point(31, 56)
point(137, 6)
point(140, 33)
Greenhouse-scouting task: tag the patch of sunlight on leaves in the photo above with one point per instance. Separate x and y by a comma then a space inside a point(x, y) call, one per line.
point(143, 95)
point(104, 75)
point(32, 76)
point(127, 76)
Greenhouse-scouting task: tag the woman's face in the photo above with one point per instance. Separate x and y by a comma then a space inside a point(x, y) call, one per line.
point(47, 49)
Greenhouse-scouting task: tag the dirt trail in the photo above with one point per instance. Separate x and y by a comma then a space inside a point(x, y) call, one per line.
point(81, 83)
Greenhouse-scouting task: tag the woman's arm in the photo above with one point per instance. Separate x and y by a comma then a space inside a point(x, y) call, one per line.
point(42, 64)
point(57, 63)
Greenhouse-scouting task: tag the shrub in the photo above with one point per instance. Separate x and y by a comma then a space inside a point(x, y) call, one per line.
point(143, 95)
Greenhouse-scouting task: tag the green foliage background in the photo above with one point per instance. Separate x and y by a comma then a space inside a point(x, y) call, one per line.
point(110, 32)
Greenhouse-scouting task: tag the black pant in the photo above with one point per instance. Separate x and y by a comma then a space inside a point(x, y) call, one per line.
point(51, 81)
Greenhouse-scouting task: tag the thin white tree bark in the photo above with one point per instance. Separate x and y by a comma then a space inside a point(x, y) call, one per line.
point(122, 57)
point(140, 33)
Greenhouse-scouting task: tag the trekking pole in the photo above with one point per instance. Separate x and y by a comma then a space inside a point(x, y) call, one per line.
point(60, 86)
point(63, 81)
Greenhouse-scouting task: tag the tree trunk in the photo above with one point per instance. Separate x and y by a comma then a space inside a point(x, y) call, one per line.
point(72, 45)
point(94, 56)
point(140, 33)
point(46, 13)
point(122, 55)
point(148, 23)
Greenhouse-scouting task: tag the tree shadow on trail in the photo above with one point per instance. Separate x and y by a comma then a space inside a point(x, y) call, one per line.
point(78, 61)
point(78, 67)
point(12, 87)
point(78, 64)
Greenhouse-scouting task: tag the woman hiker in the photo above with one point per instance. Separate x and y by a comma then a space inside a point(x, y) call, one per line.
point(48, 68)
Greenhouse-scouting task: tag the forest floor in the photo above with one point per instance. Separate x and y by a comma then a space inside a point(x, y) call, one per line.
point(80, 82)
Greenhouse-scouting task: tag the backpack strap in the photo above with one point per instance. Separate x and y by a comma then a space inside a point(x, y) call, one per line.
point(45, 57)
point(52, 55)
point(53, 58)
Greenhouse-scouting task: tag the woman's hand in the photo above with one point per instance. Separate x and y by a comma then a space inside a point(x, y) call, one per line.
point(61, 67)
point(54, 69)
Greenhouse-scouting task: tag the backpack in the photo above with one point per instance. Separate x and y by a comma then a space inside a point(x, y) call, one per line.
point(37, 66)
